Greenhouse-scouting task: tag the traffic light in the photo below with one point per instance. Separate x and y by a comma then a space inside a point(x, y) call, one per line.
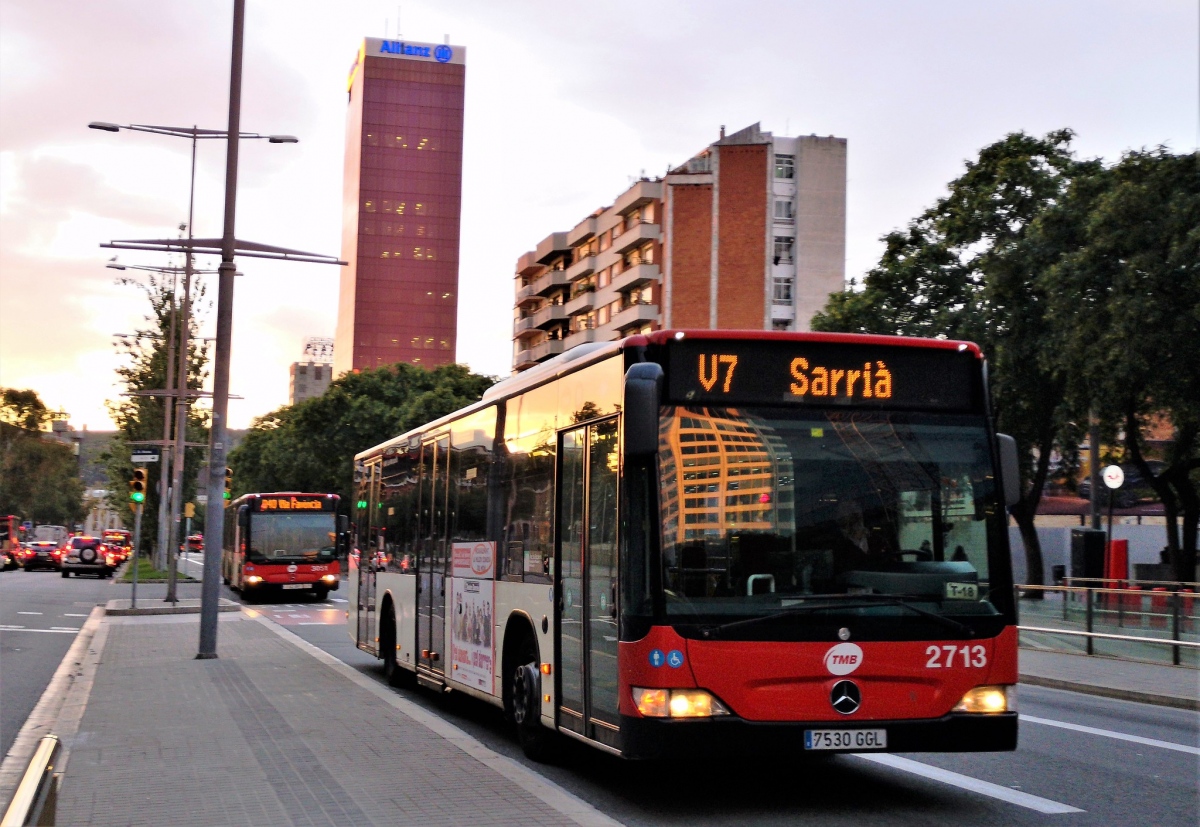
point(362, 503)
point(137, 486)
point(228, 483)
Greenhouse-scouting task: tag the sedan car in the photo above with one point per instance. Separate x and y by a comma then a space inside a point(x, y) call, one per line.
point(89, 555)
point(41, 554)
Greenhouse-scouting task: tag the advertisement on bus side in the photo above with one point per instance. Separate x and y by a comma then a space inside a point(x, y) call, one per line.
point(471, 648)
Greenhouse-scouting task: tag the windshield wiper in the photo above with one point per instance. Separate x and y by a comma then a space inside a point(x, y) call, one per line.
point(844, 601)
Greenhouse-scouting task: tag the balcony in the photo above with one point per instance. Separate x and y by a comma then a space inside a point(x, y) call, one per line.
point(583, 267)
point(636, 236)
point(584, 301)
point(550, 315)
point(525, 294)
point(527, 264)
point(584, 230)
point(524, 359)
point(547, 283)
point(552, 245)
point(581, 337)
point(524, 327)
point(643, 192)
point(543, 351)
point(634, 314)
point(635, 276)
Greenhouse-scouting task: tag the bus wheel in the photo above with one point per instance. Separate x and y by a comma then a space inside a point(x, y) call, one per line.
point(396, 674)
point(321, 594)
point(225, 580)
point(536, 740)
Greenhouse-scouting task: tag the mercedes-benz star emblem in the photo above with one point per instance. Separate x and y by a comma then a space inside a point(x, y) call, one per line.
point(845, 697)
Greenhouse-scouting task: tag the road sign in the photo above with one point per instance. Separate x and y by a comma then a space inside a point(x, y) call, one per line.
point(144, 455)
point(1113, 476)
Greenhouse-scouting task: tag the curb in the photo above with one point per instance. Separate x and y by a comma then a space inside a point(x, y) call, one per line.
point(1176, 702)
point(61, 706)
point(120, 607)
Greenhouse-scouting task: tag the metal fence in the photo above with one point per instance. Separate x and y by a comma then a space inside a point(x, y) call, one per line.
point(1136, 620)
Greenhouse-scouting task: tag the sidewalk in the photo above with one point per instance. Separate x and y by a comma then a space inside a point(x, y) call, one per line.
point(1177, 686)
point(275, 731)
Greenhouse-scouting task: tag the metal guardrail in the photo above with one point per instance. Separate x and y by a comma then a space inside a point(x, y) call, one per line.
point(36, 799)
point(1173, 610)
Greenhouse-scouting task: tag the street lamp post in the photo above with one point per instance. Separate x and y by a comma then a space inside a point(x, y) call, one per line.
point(171, 488)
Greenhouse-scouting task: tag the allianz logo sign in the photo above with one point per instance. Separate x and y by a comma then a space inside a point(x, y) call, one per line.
point(442, 54)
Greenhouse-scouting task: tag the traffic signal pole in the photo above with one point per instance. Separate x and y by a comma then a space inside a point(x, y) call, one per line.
point(137, 542)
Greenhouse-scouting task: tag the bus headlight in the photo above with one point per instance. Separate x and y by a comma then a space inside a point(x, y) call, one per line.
point(253, 580)
point(988, 700)
point(677, 703)
point(329, 578)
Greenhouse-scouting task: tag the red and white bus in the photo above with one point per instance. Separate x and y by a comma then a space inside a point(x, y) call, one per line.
point(283, 542)
point(694, 540)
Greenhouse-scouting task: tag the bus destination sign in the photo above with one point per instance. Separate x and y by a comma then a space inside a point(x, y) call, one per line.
point(777, 372)
point(288, 503)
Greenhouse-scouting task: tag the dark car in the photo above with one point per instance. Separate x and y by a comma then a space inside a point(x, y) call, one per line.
point(41, 554)
point(1132, 491)
point(89, 555)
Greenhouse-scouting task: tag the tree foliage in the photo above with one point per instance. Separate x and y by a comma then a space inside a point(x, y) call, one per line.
point(140, 418)
point(310, 446)
point(1124, 312)
point(39, 478)
point(1080, 281)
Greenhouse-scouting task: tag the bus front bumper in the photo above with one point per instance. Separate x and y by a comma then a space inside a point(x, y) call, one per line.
point(662, 738)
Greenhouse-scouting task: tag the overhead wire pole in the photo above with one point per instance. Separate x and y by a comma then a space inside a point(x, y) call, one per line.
point(214, 514)
point(164, 473)
point(181, 401)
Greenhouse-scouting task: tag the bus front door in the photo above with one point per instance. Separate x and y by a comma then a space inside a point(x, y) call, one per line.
point(433, 561)
point(587, 587)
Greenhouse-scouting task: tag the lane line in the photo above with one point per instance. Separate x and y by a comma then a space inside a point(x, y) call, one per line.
point(29, 613)
point(1108, 733)
point(966, 782)
point(66, 628)
point(47, 631)
point(73, 615)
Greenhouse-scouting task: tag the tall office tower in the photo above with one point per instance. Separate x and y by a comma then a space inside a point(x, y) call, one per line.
point(398, 300)
point(750, 233)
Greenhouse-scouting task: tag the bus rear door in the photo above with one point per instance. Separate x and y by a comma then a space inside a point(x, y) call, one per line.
point(587, 587)
point(433, 562)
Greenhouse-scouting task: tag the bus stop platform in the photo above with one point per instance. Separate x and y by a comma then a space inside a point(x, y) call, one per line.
point(274, 731)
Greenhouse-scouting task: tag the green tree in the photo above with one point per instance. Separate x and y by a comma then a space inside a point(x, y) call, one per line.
point(140, 418)
point(39, 478)
point(1124, 311)
point(310, 446)
point(965, 269)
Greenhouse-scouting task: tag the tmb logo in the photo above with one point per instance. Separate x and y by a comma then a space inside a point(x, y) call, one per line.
point(843, 659)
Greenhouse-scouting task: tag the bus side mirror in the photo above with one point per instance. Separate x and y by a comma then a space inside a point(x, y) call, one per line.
point(1010, 469)
point(243, 516)
point(343, 523)
point(643, 389)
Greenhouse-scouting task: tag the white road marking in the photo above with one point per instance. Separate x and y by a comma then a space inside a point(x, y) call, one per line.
point(1108, 733)
point(966, 782)
point(65, 628)
point(338, 600)
point(48, 631)
point(315, 623)
point(68, 614)
point(29, 613)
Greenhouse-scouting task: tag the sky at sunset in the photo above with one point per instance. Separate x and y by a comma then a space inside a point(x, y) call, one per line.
point(566, 102)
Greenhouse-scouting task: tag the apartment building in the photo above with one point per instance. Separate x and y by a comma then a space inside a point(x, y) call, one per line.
point(750, 233)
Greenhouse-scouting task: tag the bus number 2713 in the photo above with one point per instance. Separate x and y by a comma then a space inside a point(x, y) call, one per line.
point(942, 657)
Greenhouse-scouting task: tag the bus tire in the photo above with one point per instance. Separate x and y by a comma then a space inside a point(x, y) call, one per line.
point(321, 594)
point(396, 674)
point(525, 702)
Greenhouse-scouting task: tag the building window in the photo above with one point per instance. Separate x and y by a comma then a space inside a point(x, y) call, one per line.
point(782, 291)
point(785, 166)
point(781, 324)
point(783, 210)
point(783, 249)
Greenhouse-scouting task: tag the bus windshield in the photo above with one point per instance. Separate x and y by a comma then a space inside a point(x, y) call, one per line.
point(769, 510)
point(292, 538)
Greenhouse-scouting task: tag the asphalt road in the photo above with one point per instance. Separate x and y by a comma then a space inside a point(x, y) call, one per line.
point(1081, 760)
